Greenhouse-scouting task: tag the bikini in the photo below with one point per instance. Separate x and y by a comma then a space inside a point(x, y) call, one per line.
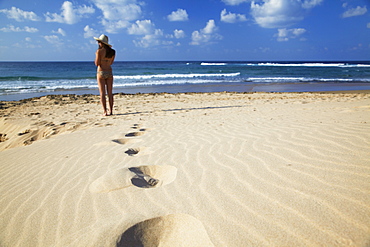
point(105, 74)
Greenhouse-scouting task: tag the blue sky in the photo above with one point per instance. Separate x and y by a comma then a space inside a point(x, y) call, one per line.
point(212, 30)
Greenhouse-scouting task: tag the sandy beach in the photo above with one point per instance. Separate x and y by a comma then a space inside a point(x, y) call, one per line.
point(189, 169)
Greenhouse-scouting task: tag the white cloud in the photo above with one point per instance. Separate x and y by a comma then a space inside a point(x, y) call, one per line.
point(358, 47)
point(179, 34)
point(281, 13)
point(70, 14)
point(308, 4)
point(151, 36)
point(298, 31)
point(20, 15)
point(11, 28)
point(355, 12)
point(114, 26)
point(368, 25)
point(286, 34)
point(263, 49)
point(234, 2)
point(153, 39)
point(231, 17)
point(205, 35)
point(60, 31)
point(178, 15)
point(26, 45)
point(210, 27)
point(54, 40)
point(30, 29)
point(114, 10)
point(197, 38)
point(141, 28)
point(118, 14)
point(90, 32)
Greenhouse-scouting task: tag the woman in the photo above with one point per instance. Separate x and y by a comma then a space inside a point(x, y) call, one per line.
point(104, 58)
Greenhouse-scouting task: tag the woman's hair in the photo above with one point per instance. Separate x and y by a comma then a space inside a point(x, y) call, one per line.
point(110, 52)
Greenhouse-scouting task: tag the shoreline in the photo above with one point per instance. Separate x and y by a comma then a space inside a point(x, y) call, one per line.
point(88, 93)
point(204, 169)
point(202, 88)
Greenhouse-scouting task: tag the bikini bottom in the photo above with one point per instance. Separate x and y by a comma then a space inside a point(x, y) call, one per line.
point(105, 74)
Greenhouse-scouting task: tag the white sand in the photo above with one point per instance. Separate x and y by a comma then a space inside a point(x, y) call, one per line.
point(238, 169)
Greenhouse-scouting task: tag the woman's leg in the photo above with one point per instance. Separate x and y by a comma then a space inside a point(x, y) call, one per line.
point(103, 101)
point(109, 84)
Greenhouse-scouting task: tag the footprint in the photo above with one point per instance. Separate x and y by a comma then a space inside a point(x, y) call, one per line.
point(169, 230)
point(24, 132)
point(136, 126)
point(132, 151)
point(133, 134)
point(141, 176)
point(3, 137)
point(137, 150)
point(121, 141)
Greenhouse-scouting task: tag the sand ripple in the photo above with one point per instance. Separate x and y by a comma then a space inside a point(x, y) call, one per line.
point(222, 169)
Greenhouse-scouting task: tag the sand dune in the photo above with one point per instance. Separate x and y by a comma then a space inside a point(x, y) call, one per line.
point(222, 169)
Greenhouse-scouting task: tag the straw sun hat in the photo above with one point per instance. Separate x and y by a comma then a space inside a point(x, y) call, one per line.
point(104, 39)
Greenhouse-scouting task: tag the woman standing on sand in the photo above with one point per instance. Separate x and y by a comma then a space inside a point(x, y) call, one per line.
point(104, 58)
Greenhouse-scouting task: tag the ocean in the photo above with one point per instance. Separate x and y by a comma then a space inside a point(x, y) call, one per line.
point(20, 80)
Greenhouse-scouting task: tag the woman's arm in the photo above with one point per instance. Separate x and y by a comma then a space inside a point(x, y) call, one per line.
point(97, 58)
point(112, 59)
point(100, 53)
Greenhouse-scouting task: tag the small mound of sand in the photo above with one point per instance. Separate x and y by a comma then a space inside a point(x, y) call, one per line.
point(170, 230)
point(141, 176)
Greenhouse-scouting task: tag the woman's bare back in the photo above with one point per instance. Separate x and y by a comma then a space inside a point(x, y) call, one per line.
point(103, 63)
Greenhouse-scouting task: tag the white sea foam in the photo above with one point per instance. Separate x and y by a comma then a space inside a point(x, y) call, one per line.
point(162, 82)
point(342, 65)
point(213, 64)
point(301, 79)
point(303, 64)
point(170, 76)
